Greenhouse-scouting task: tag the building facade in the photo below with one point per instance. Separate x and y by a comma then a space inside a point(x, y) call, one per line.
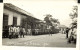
point(15, 16)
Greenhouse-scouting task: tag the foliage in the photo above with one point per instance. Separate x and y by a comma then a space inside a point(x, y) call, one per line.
point(50, 21)
point(74, 15)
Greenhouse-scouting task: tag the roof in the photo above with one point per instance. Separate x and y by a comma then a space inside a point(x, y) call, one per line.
point(12, 7)
point(62, 26)
point(19, 10)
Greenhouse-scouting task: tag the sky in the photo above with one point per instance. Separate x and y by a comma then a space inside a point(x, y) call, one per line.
point(58, 9)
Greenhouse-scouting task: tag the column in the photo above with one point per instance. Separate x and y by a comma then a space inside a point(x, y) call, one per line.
point(10, 19)
point(18, 20)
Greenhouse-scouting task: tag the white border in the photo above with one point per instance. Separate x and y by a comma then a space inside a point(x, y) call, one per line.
point(34, 48)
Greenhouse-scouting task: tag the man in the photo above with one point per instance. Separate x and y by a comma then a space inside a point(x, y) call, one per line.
point(17, 31)
point(29, 32)
point(67, 30)
point(74, 33)
point(24, 32)
point(10, 32)
point(21, 32)
point(49, 30)
point(14, 32)
point(36, 31)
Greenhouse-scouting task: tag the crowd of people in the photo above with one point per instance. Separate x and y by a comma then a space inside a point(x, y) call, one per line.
point(16, 32)
point(71, 34)
point(19, 32)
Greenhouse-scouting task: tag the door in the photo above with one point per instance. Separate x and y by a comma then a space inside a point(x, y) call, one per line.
point(5, 26)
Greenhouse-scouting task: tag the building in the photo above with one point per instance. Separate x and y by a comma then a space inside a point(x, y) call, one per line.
point(13, 15)
point(63, 29)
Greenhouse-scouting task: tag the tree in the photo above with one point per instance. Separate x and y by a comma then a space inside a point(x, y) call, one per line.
point(74, 15)
point(48, 19)
point(51, 21)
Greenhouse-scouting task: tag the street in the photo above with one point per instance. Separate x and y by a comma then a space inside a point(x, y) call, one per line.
point(56, 40)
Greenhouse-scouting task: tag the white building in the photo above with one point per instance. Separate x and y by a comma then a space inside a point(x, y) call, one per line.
point(13, 15)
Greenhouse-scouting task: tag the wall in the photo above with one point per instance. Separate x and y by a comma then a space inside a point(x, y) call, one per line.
point(12, 14)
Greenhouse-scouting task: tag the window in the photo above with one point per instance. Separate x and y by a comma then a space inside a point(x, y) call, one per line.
point(15, 21)
point(5, 20)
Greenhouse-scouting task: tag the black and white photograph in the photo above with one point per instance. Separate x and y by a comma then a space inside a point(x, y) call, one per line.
point(40, 24)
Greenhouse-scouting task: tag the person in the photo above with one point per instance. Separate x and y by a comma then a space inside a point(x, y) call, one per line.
point(63, 31)
point(14, 32)
point(17, 31)
point(49, 30)
point(73, 35)
point(70, 35)
point(36, 31)
point(21, 32)
point(29, 32)
point(67, 30)
point(10, 32)
point(24, 32)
